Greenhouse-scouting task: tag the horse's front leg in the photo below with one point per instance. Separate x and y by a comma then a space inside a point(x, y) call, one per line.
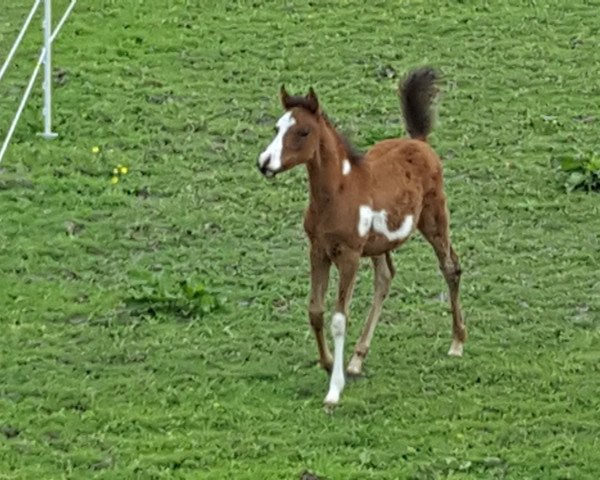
point(347, 263)
point(319, 279)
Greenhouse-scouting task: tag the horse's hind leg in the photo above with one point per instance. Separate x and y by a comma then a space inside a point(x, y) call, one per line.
point(384, 272)
point(433, 224)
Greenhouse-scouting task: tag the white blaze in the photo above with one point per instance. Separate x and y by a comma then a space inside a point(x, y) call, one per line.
point(272, 153)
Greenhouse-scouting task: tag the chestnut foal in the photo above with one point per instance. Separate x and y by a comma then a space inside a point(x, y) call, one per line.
point(365, 206)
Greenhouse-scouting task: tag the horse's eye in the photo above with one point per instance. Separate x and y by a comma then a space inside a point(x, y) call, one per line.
point(303, 132)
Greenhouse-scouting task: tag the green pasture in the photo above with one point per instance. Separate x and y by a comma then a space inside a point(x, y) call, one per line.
point(157, 327)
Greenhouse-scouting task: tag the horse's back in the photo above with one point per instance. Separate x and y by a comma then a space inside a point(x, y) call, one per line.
point(405, 161)
point(403, 150)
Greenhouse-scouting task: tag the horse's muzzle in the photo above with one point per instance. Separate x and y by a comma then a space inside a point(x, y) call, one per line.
point(264, 168)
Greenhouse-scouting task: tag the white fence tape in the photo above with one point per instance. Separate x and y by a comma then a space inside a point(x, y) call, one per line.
point(45, 57)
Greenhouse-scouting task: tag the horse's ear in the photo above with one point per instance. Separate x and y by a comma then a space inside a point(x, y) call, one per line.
point(313, 101)
point(284, 96)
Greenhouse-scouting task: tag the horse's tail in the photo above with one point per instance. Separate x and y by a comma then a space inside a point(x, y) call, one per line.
point(417, 92)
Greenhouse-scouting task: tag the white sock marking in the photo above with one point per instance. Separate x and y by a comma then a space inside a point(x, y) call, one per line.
point(337, 381)
point(346, 167)
point(369, 219)
point(273, 152)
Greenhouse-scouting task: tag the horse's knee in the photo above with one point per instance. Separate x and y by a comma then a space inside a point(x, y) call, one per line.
point(455, 262)
point(390, 265)
point(456, 270)
point(382, 285)
point(387, 275)
point(316, 319)
point(384, 274)
point(451, 268)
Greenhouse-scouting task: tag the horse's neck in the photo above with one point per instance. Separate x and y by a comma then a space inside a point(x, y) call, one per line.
point(325, 169)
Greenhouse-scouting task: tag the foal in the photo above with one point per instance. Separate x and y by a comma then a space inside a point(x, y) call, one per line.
point(365, 206)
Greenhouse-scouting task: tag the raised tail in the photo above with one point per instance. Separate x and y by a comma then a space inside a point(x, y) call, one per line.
point(417, 92)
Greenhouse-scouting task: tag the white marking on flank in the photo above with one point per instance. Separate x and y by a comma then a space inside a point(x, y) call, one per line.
point(365, 220)
point(369, 219)
point(337, 381)
point(346, 167)
point(271, 157)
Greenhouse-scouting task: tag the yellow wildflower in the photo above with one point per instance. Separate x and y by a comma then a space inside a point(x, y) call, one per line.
point(95, 149)
point(114, 180)
point(123, 170)
point(115, 171)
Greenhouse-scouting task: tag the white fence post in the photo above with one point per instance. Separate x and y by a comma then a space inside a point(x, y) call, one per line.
point(45, 56)
point(48, 134)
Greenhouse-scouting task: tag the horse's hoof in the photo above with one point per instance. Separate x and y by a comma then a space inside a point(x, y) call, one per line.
point(456, 349)
point(329, 406)
point(332, 399)
point(354, 368)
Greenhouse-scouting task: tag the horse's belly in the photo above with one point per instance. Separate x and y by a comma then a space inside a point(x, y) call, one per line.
point(377, 244)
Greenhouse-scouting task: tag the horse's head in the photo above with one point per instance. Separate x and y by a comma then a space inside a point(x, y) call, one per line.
point(296, 134)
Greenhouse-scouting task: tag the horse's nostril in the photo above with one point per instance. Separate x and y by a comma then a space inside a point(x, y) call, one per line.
point(263, 164)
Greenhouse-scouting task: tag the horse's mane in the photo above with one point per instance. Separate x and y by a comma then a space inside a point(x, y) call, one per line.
point(352, 153)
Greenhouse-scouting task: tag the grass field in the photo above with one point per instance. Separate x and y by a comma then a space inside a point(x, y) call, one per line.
point(110, 369)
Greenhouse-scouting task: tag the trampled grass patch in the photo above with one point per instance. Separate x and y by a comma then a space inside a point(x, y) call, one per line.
point(185, 95)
